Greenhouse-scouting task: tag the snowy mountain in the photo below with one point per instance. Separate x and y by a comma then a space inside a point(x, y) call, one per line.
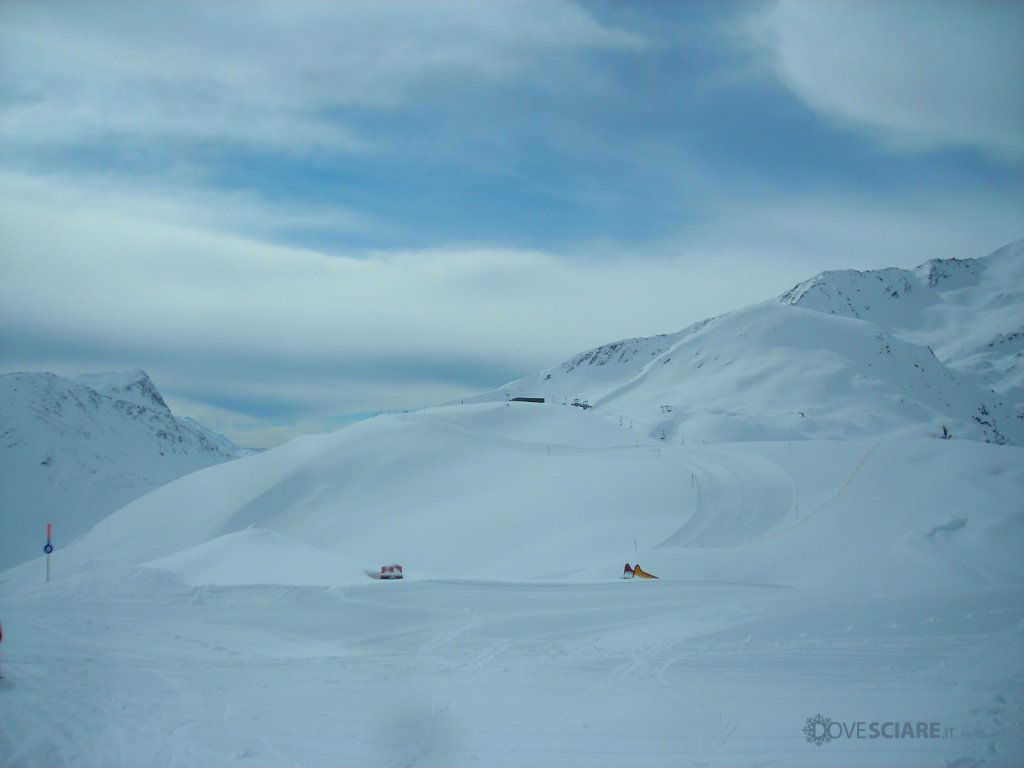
point(844, 355)
point(969, 312)
point(824, 567)
point(74, 450)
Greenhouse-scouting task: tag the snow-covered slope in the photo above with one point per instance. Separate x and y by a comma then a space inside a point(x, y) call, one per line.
point(968, 311)
point(548, 491)
point(815, 365)
point(74, 450)
point(228, 616)
point(477, 491)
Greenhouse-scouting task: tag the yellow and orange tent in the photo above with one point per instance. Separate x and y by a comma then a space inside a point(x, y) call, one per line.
point(640, 573)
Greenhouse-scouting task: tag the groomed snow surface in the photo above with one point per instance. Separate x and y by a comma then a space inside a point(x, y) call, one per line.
point(808, 591)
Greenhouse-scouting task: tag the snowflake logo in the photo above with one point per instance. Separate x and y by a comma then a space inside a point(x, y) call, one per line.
point(817, 730)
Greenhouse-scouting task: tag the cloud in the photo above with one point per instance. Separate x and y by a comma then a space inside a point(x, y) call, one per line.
point(283, 76)
point(917, 73)
point(85, 266)
point(838, 230)
point(89, 277)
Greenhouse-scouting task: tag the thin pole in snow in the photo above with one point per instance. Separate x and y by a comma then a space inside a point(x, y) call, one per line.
point(48, 549)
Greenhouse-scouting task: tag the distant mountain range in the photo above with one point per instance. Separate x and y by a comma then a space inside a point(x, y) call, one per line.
point(845, 354)
point(74, 450)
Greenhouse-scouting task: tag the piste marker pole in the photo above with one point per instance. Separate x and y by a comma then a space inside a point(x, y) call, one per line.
point(48, 549)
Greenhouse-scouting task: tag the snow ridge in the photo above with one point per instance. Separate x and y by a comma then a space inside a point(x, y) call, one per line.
point(845, 354)
point(133, 386)
point(967, 310)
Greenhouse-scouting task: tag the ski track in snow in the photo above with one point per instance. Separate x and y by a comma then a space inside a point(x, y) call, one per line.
point(462, 674)
point(739, 497)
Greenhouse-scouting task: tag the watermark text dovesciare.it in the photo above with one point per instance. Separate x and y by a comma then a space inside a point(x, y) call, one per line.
point(821, 730)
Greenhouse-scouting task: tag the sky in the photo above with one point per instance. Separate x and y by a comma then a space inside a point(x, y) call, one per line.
point(295, 214)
